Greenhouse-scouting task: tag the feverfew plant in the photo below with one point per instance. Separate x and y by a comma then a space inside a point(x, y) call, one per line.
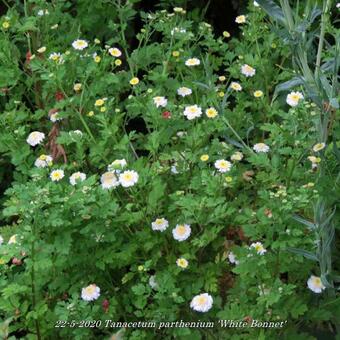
point(168, 174)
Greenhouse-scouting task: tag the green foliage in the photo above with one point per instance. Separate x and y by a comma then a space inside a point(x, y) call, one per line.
point(259, 228)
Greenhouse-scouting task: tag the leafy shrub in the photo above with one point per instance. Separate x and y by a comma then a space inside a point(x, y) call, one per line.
point(226, 155)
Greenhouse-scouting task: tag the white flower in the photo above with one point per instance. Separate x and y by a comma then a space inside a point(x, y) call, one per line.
point(192, 112)
point(115, 52)
point(258, 246)
point(211, 112)
point(261, 147)
point(117, 165)
point(56, 57)
point(232, 258)
point(181, 232)
point(237, 156)
point(314, 284)
point(184, 91)
point(128, 178)
point(56, 175)
point(54, 117)
point(182, 263)
point(152, 282)
point(293, 98)
point(80, 44)
point(222, 165)
point(338, 5)
point(192, 62)
point(12, 239)
point(109, 180)
point(77, 177)
point(160, 101)
point(202, 302)
point(235, 86)
point(43, 161)
point(35, 138)
point(247, 70)
point(90, 293)
point(256, 4)
point(1, 240)
point(160, 224)
point(318, 147)
point(241, 19)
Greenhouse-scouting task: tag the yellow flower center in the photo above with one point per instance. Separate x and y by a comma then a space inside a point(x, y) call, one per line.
point(201, 300)
point(181, 230)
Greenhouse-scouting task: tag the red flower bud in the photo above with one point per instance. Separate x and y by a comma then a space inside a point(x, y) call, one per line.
point(28, 57)
point(106, 305)
point(166, 114)
point(59, 96)
point(16, 261)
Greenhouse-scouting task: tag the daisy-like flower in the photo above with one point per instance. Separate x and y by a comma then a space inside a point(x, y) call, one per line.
point(222, 165)
point(77, 177)
point(134, 81)
point(202, 303)
point(117, 165)
point(184, 91)
point(109, 180)
point(99, 102)
point(211, 112)
point(204, 158)
point(182, 263)
point(80, 44)
point(160, 101)
point(235, 86)
point(261, 147)
point(54, 117)
point(314, 284)
point(237, 156)
point(160, 224)
point(77, 87)
point(318, 147)
point(294, 98)
point(115, 52)
point(247, 70)
point(43, 161)
point(13, 239)
point(56, 57)
point(258, 246)
point(258, 94)
point(232, 258)
point(181, 232)
point(241, 19)
point(90, 293)
point(128, 178)
point(57, 175)
point(192, 112)
point(192, 62)
point(226, 34)
point(35, 138)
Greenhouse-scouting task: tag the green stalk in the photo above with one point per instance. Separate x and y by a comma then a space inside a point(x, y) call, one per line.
point(326, 6)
